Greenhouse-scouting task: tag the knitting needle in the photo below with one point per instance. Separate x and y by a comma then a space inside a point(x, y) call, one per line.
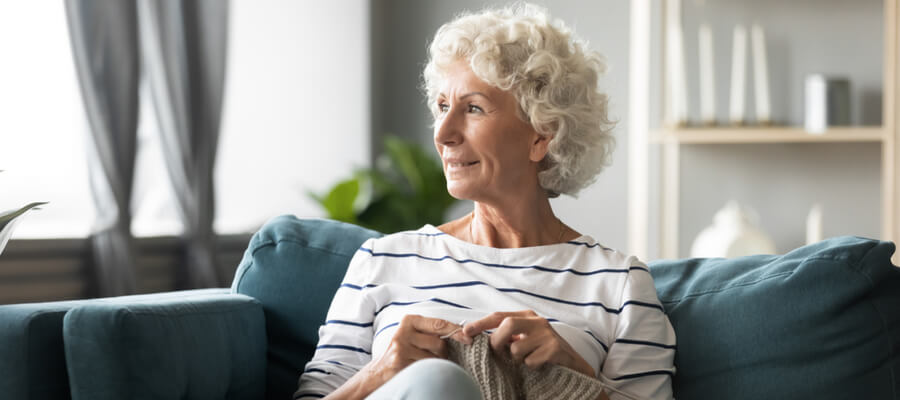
point(461, 325)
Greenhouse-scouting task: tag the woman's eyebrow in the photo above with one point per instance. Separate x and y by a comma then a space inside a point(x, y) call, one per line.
point(474, 94)
point(463, 97)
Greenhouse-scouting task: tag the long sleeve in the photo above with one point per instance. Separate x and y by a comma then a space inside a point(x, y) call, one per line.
point(345, 340)
point(641, 358)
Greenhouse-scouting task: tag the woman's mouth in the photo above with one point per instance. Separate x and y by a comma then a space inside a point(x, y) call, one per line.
point(454, 164)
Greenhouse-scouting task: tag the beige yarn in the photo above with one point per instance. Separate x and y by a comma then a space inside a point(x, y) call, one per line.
point(500, 378)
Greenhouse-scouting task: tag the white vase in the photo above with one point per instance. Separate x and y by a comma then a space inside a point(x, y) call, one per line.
point(733, 234)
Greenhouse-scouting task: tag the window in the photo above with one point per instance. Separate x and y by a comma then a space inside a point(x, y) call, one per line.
point(42, 135)
point(295, 118)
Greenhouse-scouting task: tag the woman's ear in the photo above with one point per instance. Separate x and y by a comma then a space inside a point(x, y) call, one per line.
point(539, 145)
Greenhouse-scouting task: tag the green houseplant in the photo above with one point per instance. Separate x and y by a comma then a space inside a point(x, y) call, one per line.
point(405, 190)
point(8, 221)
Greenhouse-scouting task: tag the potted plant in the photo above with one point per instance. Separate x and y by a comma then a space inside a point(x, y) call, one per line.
point(8, 221)
point(404, 191)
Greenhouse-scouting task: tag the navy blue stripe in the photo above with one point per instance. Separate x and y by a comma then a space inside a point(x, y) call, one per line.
point(334, 362)
point(341, 347)
point(505, 290)
point(449, 285)
point(317, 370)
point(424, 234)
point(647, 270)
point(386, 327)
point(540, 296)
point(355, 287)
point(492, 265)
point(590, 246)
point(643, 374)
point(643, 304)
point(316, 395)
point(359, 324)
point(605, 348)
point(406, 303)
point(646, 343)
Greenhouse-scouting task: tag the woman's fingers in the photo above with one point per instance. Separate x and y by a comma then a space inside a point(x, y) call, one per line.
point(432, 326)
point(415, 353)
point(429, 343)
point(425, 333)
point(530, 339)
point(519, 350)
point(492, 321)
point(516, 329)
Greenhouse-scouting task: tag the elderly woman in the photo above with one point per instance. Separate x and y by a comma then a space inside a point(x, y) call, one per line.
point(518, 119)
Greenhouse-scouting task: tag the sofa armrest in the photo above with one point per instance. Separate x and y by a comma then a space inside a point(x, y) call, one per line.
point(199, 347)
point(32, 362)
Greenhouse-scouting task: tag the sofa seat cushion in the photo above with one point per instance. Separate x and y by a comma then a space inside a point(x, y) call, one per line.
point(198, 347)
point(34, 365)
point(821, 322)
point(293, 267)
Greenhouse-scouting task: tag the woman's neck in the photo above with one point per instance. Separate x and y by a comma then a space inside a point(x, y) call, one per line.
point(522, 222)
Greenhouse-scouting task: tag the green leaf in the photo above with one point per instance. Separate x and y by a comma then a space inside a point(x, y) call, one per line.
point(8, 221)
point(339, 201)
point(9, 216)
point(405, 190)
point(401, 155)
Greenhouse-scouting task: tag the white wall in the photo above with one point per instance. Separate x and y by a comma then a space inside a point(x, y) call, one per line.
point(296, 113)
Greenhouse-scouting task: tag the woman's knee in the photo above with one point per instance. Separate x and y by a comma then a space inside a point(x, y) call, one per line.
point(435, 378)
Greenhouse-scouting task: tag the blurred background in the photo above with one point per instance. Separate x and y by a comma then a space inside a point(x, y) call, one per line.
point(313, 88)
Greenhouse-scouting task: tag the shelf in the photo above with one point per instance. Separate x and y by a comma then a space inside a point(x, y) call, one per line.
point(722, 135)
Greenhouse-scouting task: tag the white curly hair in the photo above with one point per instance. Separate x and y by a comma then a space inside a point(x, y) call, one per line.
point(553, 76)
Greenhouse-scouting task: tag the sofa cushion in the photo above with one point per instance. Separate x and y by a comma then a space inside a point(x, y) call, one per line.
point(821, 322)
point(199, 347)
point(33, 361)
point(293, 267)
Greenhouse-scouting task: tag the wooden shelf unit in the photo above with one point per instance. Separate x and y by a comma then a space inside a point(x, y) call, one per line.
point(669, 140)
point(746, 135)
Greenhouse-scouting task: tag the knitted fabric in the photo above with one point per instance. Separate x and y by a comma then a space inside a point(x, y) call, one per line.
point(501, 378)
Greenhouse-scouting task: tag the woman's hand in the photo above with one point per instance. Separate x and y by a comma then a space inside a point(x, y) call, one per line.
point(528, 338)
point(416, 338)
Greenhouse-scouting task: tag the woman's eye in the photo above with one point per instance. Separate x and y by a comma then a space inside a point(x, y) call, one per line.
point(474, 108)
point(443, 107)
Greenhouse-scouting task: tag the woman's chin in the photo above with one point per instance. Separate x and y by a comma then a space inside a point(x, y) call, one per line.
point(461, 192)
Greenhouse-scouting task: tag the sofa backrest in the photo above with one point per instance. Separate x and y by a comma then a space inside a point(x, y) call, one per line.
point(293, 267)
point(822, 321)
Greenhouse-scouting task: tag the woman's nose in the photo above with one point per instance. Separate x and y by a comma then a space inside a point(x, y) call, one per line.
point(448, 130)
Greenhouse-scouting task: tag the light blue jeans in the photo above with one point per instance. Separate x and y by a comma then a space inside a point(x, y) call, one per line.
point(429, 379)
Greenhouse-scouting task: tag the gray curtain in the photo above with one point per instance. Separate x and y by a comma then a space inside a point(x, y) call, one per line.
point(104, 42)
point(183, 43)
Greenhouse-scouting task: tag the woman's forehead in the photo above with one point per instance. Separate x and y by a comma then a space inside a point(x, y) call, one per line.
point(458, 80)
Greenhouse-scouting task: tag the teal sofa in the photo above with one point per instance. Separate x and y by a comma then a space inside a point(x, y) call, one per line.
point(820, 322)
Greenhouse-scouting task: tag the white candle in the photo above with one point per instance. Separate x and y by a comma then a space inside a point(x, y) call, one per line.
point(738, 78)
point(814, 224)
point(760, 75)
point(707, 76)
point(677, 93)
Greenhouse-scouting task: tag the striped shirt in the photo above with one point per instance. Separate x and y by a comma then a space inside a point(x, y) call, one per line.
point(600, 301)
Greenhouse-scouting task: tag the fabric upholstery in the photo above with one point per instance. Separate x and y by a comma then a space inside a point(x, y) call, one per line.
point(821, 322)
point(32, 362)
point(293, 267)
point(201, 347)
point(818, 322)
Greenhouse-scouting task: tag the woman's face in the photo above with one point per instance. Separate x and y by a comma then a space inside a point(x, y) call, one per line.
point(488, 153)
